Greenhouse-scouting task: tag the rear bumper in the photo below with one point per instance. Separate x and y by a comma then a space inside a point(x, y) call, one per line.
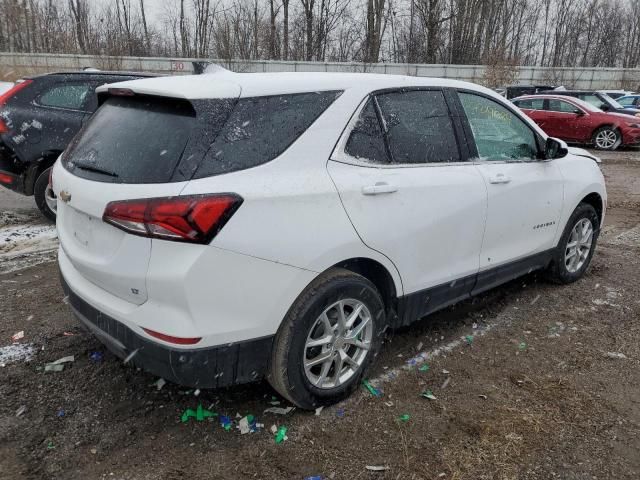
point(208, 367)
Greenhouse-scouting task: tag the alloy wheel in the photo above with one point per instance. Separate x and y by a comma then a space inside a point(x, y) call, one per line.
point(579, 245)
point(606, 139)
point(50, 199)
point(338, 343)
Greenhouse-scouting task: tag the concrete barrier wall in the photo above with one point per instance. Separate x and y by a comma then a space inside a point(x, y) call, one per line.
point(15, 65)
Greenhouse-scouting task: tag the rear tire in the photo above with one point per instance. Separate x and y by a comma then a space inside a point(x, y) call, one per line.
point(606, 138)
point(313, 330)
point(45, 198)
point(577, 244)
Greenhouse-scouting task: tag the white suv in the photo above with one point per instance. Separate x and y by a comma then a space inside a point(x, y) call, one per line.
point(225, 227)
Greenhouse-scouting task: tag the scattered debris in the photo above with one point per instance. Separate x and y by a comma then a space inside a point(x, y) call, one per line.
point(389, 404)
point(419, 347)
point(469, 339)
point(279, 433)
point(522, 346)
point(484, 397)
point(130, 356)
point(96, 356)
point(94, 451)
point(21, 410)
point(340, 412)
point(247, 425)
point(279, 410)
point(196, 392)
point(535, 300)
point(161, 382)
point(58, 365)
point(446, 372)
point(60, 413)
point(226, 422)
point(372, 390)
point(199, 414)
point(50, 445)
point(376, 468)
point(424, 368)
point(428, 394)
point(618, 355)
point(405, 417)
point(17, 336)
point(445, 383)
point(68, 334)
point(318, 411)
point(50, 367)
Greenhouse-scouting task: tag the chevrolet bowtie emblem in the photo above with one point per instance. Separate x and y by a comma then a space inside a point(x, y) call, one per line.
point(65, 196)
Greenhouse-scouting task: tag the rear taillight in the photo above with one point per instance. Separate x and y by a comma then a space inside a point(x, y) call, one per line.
point(189, 218)
point(13, 91)
point(7, 179)
point(6, 96)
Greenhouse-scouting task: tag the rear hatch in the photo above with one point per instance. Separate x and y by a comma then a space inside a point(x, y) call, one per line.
point(134, 147)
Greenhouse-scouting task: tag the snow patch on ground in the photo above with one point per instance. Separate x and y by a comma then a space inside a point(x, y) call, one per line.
point(25, 244)
point(16, 352)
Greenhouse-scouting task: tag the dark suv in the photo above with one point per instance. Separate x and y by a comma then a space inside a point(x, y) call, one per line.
point(598, 99)
point(38, 118)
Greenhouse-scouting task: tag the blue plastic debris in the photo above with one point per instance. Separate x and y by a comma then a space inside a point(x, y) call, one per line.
point(225, 422)
point(340, 413)
point(61, 413)
point(96, 356)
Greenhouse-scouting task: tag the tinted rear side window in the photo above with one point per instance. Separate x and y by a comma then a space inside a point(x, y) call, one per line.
point(132, 140)
point(261, 128)
point(419, 129)
point(366, 140)
point(66, 96)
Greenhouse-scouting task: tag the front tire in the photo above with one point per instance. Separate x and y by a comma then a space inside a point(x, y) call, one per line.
point(328, 339)
point(606, 138)
point(577, 244)
point(44, 196)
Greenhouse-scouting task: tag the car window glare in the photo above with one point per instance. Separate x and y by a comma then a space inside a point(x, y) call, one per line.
point(499, 134)
point(418, 127)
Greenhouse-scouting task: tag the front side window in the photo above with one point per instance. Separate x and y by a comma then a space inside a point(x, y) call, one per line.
point(561, 106)
point(65, 96)
point(418, 127)
point(261, 128)
point(499, 133)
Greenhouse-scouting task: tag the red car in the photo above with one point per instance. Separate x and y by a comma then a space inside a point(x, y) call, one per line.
point(576, 121)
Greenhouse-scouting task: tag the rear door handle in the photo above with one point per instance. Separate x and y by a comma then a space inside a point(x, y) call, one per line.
point(499, 178)
point(379, 188)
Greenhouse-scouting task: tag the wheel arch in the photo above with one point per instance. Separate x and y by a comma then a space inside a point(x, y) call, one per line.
point(595, 200)
point(377, 274)
point(46, 160)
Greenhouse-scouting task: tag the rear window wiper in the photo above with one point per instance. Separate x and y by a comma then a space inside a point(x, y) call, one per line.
point(89, 168)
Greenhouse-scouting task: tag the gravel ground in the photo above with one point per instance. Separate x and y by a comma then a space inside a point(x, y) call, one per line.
point(545, 385)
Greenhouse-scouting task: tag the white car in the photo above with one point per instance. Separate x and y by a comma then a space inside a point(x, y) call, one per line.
point(221, 228)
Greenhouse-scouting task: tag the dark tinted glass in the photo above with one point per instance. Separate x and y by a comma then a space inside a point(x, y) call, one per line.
point(533, 104)
point(261, 128)
point(419, 129)
point(65, 96)
point(367, 140)
point(132, 140)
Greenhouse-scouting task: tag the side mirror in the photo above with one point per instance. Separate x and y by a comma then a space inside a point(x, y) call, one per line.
point(555, 148)
point(578, 112)
point(604, 107)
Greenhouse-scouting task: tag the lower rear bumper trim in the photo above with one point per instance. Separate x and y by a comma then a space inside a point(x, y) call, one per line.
point(209, 367)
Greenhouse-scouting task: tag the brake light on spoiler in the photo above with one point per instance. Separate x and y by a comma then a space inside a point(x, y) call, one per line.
point(189, 218)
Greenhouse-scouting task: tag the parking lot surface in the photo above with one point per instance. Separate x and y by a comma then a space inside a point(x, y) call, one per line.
point(531, 380)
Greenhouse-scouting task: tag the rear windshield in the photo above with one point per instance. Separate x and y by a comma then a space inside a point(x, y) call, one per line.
point(132, 140)
point(156, 140)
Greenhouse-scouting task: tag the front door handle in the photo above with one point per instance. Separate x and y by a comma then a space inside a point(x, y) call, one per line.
point(379, 188)
point(499, 178)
